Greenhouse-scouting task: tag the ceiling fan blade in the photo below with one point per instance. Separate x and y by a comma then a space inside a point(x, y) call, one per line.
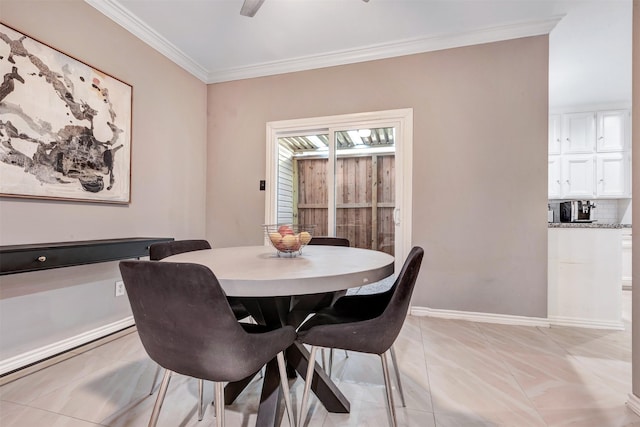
point(250, 7)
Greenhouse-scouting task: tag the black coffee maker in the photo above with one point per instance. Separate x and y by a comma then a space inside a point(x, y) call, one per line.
point(577, 211)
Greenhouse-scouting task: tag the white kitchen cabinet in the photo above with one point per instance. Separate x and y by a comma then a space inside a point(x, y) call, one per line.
point(589, 155)
point(555, 183)
point(584, 282)
point(578, 176)
point(612, 130)
point(555, 133)
point(612, 175)
point(578, 133)
point(626, 259)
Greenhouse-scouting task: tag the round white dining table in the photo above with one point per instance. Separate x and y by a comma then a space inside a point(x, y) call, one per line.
point(258, 271)
point(269, 286)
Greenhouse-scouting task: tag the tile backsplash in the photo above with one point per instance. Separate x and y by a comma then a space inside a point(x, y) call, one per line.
point(607, 211)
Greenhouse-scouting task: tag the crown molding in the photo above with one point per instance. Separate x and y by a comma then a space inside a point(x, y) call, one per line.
point(389, 50)
point(113, 10)
point(123, 17)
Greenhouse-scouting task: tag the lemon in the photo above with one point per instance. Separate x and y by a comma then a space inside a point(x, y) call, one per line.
point(289, 241)
point(275, 238)
point(305, 237)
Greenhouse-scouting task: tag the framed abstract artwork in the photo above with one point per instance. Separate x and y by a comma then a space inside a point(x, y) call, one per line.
point(65, 127)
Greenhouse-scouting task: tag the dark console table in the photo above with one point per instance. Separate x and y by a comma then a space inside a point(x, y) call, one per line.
point(44, 256)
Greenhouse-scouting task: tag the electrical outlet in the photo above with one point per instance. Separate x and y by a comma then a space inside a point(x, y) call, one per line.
point(119, 288)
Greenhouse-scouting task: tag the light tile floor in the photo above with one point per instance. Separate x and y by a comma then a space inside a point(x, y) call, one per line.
point(455, 374)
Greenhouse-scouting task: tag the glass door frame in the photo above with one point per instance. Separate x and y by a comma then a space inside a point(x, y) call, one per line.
point(401, 120)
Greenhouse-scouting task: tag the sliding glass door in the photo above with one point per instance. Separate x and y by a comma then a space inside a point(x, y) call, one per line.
point(365, 187)
point(342, 181)
point(349, 175)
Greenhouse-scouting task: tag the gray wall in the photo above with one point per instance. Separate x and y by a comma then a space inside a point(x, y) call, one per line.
point(479, 165)
point(168, 183)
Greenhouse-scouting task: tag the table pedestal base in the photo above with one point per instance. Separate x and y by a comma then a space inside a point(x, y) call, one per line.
point(273, 312)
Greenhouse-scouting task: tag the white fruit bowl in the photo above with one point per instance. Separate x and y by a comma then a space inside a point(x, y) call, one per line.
point(289, 238)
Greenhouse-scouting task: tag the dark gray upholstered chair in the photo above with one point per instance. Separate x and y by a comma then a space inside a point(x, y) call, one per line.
point(158, 251)
point(186, 325)
point(329, 241)
point(363, 323)
point(330, 298)
point(313, 303)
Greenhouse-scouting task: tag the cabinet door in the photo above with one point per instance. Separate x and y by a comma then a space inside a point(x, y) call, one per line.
point(612, 130)
point(626, 260)
point(579, 133)
point(612, 173)
point(555, 135)
point(578, 176)
point(555, 186)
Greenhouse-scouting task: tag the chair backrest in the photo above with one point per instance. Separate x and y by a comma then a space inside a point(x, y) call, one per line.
point(185, 323)
point(158, 251)
point(393, 317)
point(329, 241)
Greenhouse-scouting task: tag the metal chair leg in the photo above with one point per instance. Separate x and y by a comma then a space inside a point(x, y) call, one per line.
point(161, 394)
point(155, 378)
point(330, 361)
point(330, 370)
point(284, 381)
point(307, 386)
point(324, 360)
point(200, 399)
point(391, 410)
point(395, 367)
point(219, 398)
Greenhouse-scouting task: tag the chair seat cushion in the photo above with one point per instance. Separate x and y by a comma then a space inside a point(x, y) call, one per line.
point(252, 328)
point(332, 330)
point(367, 323)
point(239, 310)
point(327, 316)
point(343, 325)
point(363, 307)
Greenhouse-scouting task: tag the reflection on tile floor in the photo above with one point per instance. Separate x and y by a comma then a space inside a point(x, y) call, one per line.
point(454, 373)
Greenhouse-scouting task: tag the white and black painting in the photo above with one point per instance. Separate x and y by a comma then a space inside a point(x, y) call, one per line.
point(65, 127)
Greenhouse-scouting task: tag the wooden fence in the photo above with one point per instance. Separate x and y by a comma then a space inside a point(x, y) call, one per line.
point(365, 199)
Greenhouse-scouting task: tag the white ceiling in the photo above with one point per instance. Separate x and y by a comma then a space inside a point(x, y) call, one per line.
point(590, 40)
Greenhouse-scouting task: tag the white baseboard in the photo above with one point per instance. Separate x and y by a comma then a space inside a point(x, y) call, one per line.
point(38, 354)
point(506, 319)
point(503, 319)
point(586, 323)
point(634, 403)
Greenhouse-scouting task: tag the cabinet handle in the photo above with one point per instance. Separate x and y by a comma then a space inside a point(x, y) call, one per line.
point(42, 258)
point(568, 182)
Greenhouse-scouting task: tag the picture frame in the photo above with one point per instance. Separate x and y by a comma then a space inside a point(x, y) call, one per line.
point(65, 126)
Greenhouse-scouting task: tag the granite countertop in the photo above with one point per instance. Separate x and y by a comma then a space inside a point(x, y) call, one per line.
point(586, 225)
